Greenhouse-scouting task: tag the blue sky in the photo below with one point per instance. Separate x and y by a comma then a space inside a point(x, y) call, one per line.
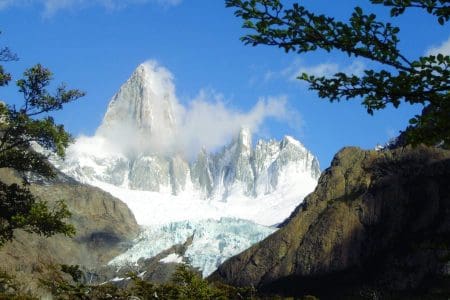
point(95, 45)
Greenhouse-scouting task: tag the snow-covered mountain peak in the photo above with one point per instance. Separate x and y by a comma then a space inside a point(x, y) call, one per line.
point(139, 146)
point(146, 103)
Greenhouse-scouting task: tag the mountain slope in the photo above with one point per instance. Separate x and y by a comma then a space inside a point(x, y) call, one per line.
point(378, 223)
point(104, 227)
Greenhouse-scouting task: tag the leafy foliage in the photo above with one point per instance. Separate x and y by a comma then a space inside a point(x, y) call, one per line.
point(19, 209)
point(73, 270)
point(20, 129)
point(5, 55)
point(424, 81)
point(438, 8)
point(185, 284)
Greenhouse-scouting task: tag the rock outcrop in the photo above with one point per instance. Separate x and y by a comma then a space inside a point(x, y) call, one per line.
point(104, 228)
point(377, 225)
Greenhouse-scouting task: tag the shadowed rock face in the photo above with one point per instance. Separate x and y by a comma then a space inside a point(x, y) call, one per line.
point(104, 228)
point(377, 223)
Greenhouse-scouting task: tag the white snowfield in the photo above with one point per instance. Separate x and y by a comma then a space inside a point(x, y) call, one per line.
point(227, 200)
point(153, 208)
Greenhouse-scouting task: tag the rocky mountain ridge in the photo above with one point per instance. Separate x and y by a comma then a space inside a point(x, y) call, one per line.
point(377, 225)
point(143, 114)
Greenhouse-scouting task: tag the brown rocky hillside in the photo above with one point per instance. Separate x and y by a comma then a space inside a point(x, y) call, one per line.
point(104, 228)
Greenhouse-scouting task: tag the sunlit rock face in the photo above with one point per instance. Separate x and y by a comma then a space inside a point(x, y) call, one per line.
point(146, 103)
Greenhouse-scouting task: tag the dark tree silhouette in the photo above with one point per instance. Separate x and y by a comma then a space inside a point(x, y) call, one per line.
point(21, 128)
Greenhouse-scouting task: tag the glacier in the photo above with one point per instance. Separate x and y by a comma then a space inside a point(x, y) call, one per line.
point(213, 241)
point(225, 200)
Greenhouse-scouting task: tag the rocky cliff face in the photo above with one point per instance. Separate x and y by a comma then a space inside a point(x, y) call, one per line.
point(145, 103)
point(269, 166)
point(377, 225)
point(104, 228)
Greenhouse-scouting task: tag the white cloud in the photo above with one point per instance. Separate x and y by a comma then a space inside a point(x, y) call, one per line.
point(444, 48)
point(53, 6)
point(208, 122)
point(160, 124)
point(324, 69)
point(298, 66)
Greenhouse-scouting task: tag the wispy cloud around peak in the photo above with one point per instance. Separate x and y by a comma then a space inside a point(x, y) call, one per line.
point(50, 7)
point(152, 120)
point(208, 121)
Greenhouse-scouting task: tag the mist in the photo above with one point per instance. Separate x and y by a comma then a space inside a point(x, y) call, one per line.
point(163, 126)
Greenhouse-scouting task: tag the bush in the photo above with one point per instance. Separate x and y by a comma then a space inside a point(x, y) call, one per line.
point(185, 284)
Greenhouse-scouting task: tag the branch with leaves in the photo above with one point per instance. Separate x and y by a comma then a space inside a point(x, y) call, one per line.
point(20, 129)
point(398, 79)
point(438, 8)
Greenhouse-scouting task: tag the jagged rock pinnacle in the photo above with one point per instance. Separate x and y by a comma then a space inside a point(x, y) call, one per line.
point(145, 102)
